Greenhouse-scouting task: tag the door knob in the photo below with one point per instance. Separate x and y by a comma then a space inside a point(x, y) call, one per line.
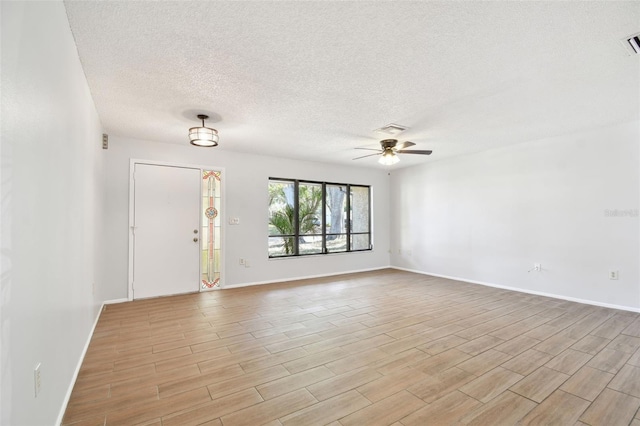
point(195, 240)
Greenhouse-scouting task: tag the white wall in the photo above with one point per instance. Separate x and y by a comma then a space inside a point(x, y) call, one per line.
point(488, 217)
point(246, 179)
point(52, 203)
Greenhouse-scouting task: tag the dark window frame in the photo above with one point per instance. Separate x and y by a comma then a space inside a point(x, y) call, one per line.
point(348, 234)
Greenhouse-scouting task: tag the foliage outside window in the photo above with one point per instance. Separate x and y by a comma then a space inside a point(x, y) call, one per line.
point(307, 218)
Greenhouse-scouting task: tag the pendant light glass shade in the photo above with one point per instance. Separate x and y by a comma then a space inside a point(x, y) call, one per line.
point(388, 158)
point(203, 136)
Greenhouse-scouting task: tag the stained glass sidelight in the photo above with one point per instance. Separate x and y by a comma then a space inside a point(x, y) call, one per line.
point(210, 239)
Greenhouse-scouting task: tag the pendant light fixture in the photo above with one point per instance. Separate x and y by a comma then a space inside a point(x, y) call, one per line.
point(203, 136)
point(388, 157)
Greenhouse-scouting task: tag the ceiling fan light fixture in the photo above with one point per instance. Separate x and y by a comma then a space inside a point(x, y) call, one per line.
point(203, 136)
point(388, 158)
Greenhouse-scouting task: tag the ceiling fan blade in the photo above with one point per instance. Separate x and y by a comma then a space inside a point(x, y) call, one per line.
point(404, 145)
point(369, 155)
point(417, 151)
point(370, 149)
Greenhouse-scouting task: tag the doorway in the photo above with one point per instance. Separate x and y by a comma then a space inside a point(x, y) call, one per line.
point(175, 240)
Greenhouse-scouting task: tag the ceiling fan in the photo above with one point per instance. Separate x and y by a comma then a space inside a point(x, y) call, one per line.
point(390, 148)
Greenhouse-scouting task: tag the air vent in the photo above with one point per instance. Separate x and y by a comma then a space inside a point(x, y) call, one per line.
point(632, 44)
point(391, 129)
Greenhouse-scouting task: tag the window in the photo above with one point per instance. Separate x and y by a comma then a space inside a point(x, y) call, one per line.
point(307, 218)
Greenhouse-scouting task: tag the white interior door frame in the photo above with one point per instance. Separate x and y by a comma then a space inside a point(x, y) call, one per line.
point(223, 216)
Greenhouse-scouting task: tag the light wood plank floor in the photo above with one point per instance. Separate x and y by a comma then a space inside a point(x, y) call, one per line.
point(378, 348)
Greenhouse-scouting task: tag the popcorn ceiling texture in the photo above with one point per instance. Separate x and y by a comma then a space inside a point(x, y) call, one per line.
point(311, 80)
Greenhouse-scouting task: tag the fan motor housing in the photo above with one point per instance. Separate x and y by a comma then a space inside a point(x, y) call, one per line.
point(388, 143)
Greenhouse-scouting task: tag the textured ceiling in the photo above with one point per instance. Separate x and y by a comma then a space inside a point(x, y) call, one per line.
point(312, 80)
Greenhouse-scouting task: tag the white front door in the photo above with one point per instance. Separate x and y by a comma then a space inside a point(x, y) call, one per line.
point(166, 230)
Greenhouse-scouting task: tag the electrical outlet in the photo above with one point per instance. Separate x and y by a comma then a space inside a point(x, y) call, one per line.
point(234, 221)
point(37, 380)
point(246, 263)
point(241, 261)
point(613, 274)
point(537, 267)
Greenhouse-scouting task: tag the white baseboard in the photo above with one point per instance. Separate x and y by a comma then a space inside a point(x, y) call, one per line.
point(521, 290)
point(112, 301)
point(77, 370)
point(65, 402)
point(306, 277)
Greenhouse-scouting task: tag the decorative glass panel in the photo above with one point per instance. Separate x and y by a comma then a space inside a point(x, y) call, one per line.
point(310, 244)
point(359, 209)
point(360, 242)
point(336, 243)
point(280, 246)
point(310, 208)
point(210, 237)
point(336, 210)
point(282, 218)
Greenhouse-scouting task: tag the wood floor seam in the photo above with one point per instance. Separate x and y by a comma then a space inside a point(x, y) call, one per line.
point(386, 347)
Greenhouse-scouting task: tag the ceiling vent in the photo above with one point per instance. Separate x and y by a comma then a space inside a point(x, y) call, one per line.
point(632, 44)
point(391, 129)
